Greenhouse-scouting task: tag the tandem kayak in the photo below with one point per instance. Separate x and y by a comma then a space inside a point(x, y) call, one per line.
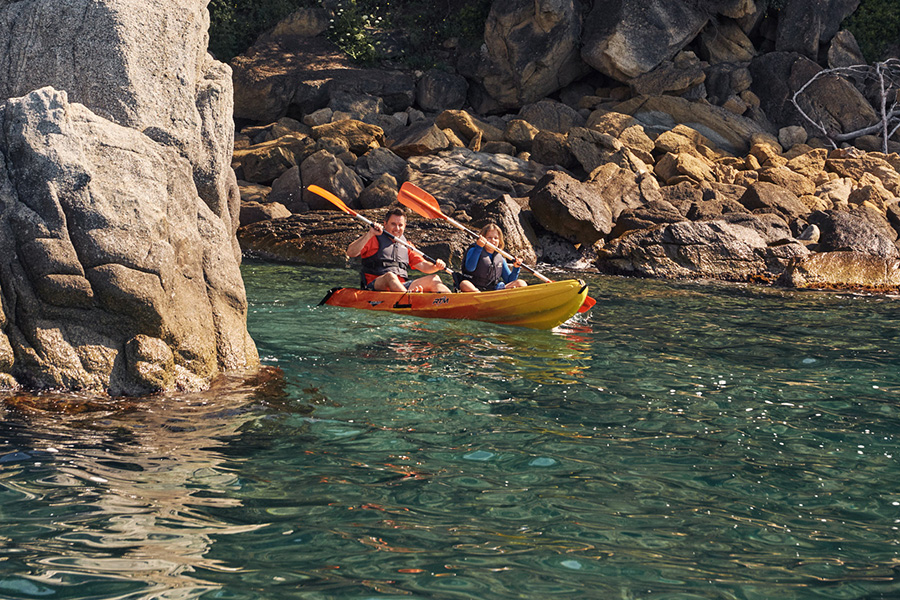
point(539, 306)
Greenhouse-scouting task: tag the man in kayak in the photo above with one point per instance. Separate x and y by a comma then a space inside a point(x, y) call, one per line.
point(385, 263)
point(484, 268)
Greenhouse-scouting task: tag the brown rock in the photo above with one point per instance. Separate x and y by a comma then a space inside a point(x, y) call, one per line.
point(499, 148)
point(611, 122)
point(835, 191)
point(671, 166)
point(466, 126)
point(722, 40)
point(681, 195)
point(856, 168)
point(360, 137)
point(520, 133)
point(251, 212)
point(873, 193)
point(762, 195)
point(794, 182)
point(672, 76)
point(420, 139)
point(841, 270)
point(328, 172)
point(573, 210)
point(549, 148)
point(380, 193)
point(809, 164)
point(453, 139)
point(624, 189)
point(263, 163)
point(766, 153)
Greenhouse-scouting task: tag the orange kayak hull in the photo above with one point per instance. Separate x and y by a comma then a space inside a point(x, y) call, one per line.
point(539, 306)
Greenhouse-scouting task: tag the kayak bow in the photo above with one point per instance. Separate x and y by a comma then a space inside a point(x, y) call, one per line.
point(540, 306)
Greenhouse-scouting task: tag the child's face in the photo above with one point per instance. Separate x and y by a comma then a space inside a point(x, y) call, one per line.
point(493, 238)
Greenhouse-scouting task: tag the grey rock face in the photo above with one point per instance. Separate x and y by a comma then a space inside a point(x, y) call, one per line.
point(118, 205)
point(104, 239)
point(628, 38)
point(141, 64)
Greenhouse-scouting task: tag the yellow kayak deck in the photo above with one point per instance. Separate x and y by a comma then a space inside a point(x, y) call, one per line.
point(539, 306)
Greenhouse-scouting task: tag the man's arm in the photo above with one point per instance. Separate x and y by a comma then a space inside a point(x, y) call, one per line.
point(356, 246)
point(425, 266)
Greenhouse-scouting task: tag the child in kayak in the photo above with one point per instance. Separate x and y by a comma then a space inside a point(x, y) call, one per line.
point(385, 263)
point(484, 268)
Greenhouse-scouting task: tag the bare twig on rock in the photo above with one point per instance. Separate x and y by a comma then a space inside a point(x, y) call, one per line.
point(887, 75)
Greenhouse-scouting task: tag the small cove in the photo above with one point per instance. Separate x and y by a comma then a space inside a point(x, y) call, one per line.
point(681, 441)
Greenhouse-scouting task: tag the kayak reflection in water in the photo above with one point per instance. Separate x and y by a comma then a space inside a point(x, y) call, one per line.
point(484, 268)
point(385, 262)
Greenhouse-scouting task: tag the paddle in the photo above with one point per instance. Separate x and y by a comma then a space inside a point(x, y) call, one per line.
point(340, 204)
point(414, 197)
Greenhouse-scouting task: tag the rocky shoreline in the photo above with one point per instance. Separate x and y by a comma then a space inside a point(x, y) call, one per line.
point(691, 169)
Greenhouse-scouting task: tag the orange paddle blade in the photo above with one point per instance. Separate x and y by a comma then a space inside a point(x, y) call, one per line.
point(331, 198)
point(587, 304)
point(414, 197)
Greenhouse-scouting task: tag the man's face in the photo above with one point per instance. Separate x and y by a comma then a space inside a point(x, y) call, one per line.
point(395, 225)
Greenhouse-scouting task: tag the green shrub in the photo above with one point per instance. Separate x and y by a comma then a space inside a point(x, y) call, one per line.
point(876, 27)
point(352, 30)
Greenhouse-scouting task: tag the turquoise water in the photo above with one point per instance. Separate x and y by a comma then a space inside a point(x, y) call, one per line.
point(681, 442)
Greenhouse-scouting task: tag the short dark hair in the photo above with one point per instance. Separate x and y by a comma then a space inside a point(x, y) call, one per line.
point(397, 211)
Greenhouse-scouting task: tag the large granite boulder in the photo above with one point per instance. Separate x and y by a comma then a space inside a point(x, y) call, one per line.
point(803, 25)
point(531, 50)
point(118, 202)
point(141, 64)
point(628, 38)
point(108, 251)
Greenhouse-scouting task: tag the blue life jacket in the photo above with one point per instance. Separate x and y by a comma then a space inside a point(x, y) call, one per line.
point(390, 258)
point(488, 272)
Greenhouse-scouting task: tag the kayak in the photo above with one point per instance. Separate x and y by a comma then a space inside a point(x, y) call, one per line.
point(539, 306)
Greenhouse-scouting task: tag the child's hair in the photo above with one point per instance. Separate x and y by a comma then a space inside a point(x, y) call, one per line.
point(493, 226)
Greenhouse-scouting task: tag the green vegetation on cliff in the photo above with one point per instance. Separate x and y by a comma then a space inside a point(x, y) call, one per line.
point(876, 27)
point(366, 30)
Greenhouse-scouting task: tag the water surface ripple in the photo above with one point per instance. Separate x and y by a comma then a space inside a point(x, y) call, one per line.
point(682, 441)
